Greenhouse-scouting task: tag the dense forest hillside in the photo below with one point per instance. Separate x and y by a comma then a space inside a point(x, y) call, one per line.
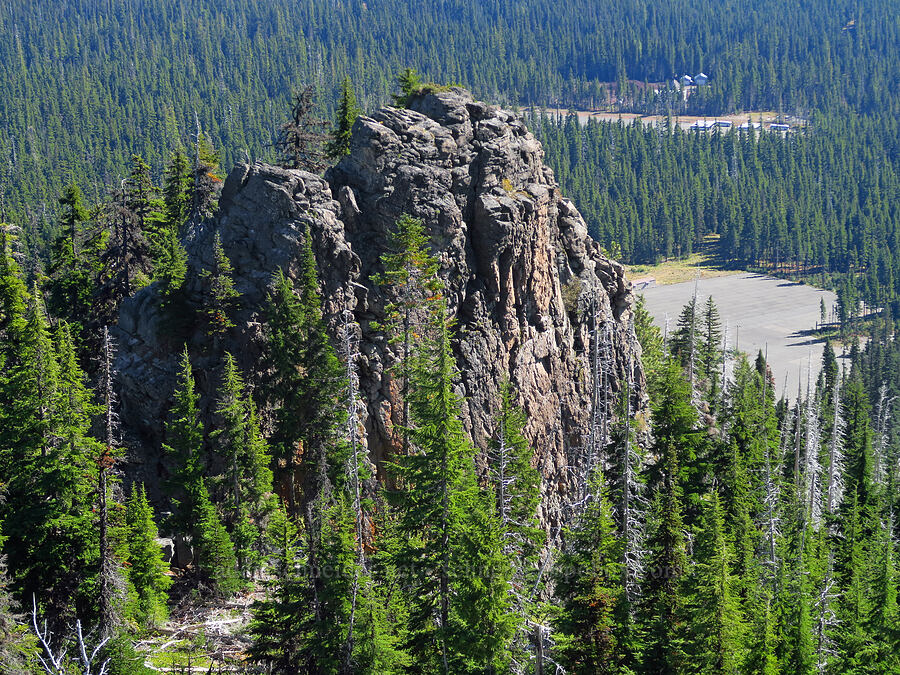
point(87, 83)
point(821, 202)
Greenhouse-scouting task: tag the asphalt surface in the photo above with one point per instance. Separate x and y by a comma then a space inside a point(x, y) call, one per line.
point(760, 312)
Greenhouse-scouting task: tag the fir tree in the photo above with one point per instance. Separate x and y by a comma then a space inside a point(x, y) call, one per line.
point(709, 352)
point(220, 299)
point(305, 381)
point(410, 272)
point(213, 547)
point(409, 82)
point(74, 264)
point(50, 473)
point(184, 436)
point(347, 112)
point(587, 577)
point(206, 182)
point(717, 625)
point(455, 576)
point(146, 571)
point(168, 252)
point(247, 478)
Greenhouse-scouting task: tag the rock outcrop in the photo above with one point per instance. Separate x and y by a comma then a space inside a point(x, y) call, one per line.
point(526, 284)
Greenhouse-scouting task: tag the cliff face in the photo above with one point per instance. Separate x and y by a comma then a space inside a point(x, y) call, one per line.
point(524, 281)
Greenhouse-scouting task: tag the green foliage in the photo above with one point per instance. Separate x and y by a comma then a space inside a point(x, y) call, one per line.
point(345, 116)
point(75, 263)
point(146, 569)
point(409, 82)
point(587, 575)
point(717, 641)
point(247, 479)
point(220, 299)
point(305, 380)
point(184, 436)
point(214, 550)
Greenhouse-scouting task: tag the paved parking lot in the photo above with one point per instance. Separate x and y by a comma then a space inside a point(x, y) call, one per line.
point(759, 311)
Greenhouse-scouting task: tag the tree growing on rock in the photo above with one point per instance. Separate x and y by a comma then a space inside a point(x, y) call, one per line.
point(301, 140)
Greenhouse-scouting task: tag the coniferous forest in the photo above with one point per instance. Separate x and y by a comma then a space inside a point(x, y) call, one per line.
point(718, 528)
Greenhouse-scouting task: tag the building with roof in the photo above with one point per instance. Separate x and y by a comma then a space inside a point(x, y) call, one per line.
point(701, 80)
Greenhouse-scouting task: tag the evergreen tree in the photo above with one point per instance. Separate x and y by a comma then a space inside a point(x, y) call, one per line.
point(301, 139)
point(683, 344)
point(206, 182)
point(74, 264)
point(220, 299)
point(50, 471)
point(516, 485)
point(17, 646)
point(409, 82)
point(146, 571)
point(347, 112)
point(277, 635)
point(247, 478)
point(214, 550)
point(587, 577)
point(305, 379)
point(168, 252)
point(184, 436)
point(455, 575)
point(717, 640)
point(709, 350)
point(410, 273)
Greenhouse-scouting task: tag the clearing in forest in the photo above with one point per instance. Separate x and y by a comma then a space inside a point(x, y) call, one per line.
point(759, 311)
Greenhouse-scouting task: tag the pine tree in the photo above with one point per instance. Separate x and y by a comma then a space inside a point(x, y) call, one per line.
point(146, 571)
point(516, 485)
point(347, 112)
point(651, 340)
point(168, 252)
point(50, 471)
point(306, 380)
point(17, 646)
point(277, 635)
point(207, 183)
point(454, 572)
point(248, 478)
point(127, 259)
point(409, 82)
point(717, 626)
point(683, 344)
point(663, 610)
point(220, 300)
point(213, 547)
point(184, 436)
point(587, 576)
point(709, 353)
point(74, 264)
point(410, 274)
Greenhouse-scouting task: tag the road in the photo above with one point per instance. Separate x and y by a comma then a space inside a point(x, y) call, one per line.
point(760, 311)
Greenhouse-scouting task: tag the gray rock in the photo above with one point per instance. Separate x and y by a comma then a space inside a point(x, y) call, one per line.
point(521, 275)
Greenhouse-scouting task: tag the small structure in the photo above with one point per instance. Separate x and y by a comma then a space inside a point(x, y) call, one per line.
point(687, 80)
point(777, 126)
point(724, 124)
point(701, 80)
point(703, 125)
point(748, 125)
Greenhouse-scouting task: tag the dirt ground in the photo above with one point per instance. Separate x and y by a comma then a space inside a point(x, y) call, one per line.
point(684, 121)
point(760, 311)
